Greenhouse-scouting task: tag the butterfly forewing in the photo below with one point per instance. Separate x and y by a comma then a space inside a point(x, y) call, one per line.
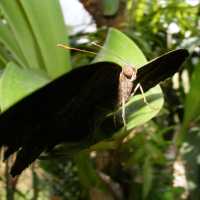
point(64, 110)
point(160, 68)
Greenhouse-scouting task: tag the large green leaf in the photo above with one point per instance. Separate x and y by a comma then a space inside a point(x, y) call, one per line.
point(20, 27)
point(6, 38)
point(36, 27)
point(32, 30)
point(47, 25)
point(16, 83)
point(120, 49)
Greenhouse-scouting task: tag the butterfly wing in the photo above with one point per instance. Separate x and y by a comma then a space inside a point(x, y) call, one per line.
point(41, 104)
point(59, 112)
point(160, 68)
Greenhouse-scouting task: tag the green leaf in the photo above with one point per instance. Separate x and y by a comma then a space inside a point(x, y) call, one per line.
point(16, 83)
point(87, 173)
point(110, 7)
point(6, 37)
point(138, 112)
point(48, 28)
point(37, 27)
point(2, 61)
point(20, 27)
point(120, 49)
point(147, 176)
point(4, 58)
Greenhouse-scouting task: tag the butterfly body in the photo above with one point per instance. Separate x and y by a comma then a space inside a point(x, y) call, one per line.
point(126, 82)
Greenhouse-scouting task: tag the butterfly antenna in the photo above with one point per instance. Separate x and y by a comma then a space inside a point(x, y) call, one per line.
point(64, 46)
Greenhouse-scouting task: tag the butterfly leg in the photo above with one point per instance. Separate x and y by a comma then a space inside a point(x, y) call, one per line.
point(143, 95)
point(123, 111)
point(138, 86)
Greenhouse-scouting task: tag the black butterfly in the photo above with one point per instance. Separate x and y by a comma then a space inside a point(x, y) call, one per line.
point(67, 109)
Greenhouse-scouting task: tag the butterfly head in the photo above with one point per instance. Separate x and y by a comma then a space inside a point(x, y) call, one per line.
point(130, 72)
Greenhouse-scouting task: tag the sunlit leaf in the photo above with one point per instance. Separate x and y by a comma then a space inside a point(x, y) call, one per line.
point(20, 28)
point(16, 83)
point(48, 28)
point(36, 27)
point(7, 38)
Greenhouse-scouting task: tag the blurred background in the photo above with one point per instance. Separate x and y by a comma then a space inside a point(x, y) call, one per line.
point(160, 159)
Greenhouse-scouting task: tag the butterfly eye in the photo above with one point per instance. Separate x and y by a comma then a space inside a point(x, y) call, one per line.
point(130, 72)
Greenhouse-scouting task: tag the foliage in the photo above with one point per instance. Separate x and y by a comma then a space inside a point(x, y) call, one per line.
point(30, 43)
point(143, 165)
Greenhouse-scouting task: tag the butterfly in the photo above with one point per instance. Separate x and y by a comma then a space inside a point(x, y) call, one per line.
point(67, 109)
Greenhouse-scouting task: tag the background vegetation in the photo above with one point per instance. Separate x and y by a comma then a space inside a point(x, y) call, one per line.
point(158, 159)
